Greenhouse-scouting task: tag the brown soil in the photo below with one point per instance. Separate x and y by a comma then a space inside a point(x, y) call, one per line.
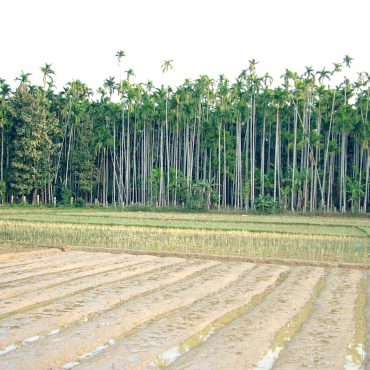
point(329, 330)
point(68, 311)
point(137, 351)
point(114, 311)
point(249, 337)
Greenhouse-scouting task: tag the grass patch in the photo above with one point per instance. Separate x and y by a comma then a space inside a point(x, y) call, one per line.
point(302, 238)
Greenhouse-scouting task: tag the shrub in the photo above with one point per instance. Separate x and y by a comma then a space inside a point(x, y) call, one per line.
point(79, 202)
point(266, 204)
point(66, 194)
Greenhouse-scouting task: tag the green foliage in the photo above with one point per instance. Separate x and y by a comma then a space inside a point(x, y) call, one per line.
point(66, 195)
point(154, 180)
point(31, 141)
point(200, 196)
point(356, 191)
point(2, 190)
point(202, 144)
point(179, 186)
point(79, 202)
point(83, 163)
point(265, 204)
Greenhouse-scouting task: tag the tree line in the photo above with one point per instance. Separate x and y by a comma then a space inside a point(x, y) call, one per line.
point(302, 145)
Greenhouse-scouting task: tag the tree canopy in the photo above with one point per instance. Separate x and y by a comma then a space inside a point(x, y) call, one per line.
point(301, 145)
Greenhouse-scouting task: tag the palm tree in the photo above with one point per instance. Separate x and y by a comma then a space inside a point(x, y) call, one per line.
point(252, 65)
point(4, 94)
point(337, 68)
point(129, 73)
point(119, 55)
point(280, 97)
point(323, 74)
point(47, 73)
point(347, 60)
point(267, 80)
point(24, 78)
point(167, 65)
point(110, 85)
point(309, 73)
point(102, 92)
point(243, 139)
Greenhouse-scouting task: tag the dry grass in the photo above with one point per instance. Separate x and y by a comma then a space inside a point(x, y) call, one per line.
point(341, 240)
point(288, 224)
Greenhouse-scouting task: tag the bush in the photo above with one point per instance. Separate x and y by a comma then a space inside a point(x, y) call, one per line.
point(66, 194)
point(200, 196)
point(79, 202)
point(2, 190)
point(266, 204)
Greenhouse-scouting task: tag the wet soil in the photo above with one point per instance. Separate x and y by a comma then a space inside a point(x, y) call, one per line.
point(90, 310)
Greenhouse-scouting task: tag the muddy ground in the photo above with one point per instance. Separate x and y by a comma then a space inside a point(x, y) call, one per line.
point(89, 310)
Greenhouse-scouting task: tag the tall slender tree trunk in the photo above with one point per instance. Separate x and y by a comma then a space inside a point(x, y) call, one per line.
point(2, 155)
point(277, 159)
point(293, 194)
point(262, 165)
point(114, 166)
point(219, 164)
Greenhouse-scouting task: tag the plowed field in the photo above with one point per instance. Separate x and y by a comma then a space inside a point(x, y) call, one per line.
point(86, 310)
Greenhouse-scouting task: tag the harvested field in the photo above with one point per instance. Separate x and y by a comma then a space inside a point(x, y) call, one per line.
point(87, 310)
point(317, 239)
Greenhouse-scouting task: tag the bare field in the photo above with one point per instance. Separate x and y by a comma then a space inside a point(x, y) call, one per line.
point(86, 310)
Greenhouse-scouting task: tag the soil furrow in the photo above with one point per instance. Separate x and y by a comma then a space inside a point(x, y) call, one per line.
point(8, 258)
point(137, 351)
point(367, 318)
point(85, 306)
point(322, 342)
point(69, 263)
point(242, 343)
point(356, 349)
point(15, 289)
point(59, 349)
point(51, 258)
point(41, 298)
point(52, 261)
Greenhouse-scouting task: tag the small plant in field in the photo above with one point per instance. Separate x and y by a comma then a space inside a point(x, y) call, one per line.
point(160, 362)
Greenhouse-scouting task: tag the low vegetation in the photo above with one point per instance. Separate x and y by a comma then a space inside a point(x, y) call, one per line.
point(342, 239)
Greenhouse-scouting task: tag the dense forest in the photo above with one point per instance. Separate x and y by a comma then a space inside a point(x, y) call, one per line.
point(302, 145)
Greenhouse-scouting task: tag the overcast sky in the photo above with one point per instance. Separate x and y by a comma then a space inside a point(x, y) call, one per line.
point(80, 37)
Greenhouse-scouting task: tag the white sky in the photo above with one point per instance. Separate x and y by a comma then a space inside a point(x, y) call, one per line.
point(80, 37)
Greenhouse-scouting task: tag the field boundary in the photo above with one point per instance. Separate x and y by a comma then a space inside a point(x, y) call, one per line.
point(204, 256)
point(363, 235)
point(274, 261)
